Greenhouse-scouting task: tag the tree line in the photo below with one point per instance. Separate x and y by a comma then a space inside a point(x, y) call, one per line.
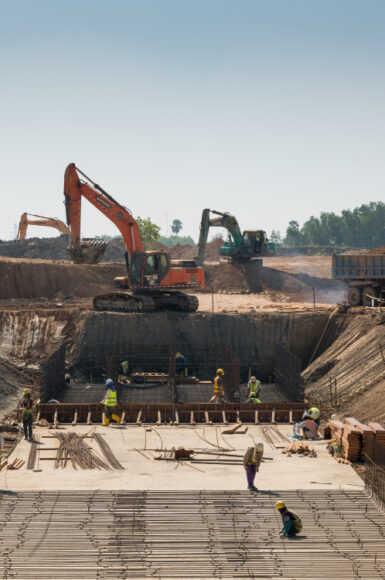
point(362, 227)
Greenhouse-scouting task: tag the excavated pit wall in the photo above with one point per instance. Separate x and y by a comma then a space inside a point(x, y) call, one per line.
point(91, 337)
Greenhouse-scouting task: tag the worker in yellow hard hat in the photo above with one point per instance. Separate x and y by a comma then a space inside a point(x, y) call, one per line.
point(292, 524)
point(315, 414)
point(218, 388)
point(180, 364)
point(26, 405)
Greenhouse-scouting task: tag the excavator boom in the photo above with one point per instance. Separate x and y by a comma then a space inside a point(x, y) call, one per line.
point(43, 221)
point(156, 280)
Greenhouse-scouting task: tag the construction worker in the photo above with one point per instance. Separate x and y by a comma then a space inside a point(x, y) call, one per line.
point(218, 388)
point(292, 524)
point(110, 401)
point(180, 364)
point(251, 462)
point(125, 368)
point(308, 426)
point(27, 405)
point(254, 389)
point(315, 414)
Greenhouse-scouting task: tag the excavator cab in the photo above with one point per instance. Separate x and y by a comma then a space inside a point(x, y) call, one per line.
point(148, 268)
point(253, 242)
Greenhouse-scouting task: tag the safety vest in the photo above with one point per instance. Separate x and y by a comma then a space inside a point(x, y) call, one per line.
point(254, 388)
point(218, 385)
point(296, 521)
point(26, 405)
point(315, 413)
point(311, 425)
point(111, 400)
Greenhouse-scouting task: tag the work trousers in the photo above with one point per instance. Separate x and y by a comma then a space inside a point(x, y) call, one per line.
point(109, 414)
point(289, 529)
point(27, 424)
point(251, 470)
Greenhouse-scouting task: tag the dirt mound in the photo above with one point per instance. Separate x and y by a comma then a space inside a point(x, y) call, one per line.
point(36, 279)
point(54, 249)
point(250, 278)
point(380, 250)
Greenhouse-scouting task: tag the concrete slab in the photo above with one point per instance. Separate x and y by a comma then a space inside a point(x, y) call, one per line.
point(135, 448)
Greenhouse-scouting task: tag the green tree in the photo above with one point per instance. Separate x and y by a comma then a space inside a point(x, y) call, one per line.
point(150, 232)
point(275, 236)
point(293, 235)
point(176, 227)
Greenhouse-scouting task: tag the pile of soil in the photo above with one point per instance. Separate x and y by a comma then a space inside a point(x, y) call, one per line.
point(379, 250)
point(56, 249)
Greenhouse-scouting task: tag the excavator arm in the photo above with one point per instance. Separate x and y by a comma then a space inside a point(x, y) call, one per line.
point(43, 221)
point(225, 220)
point(74, 189)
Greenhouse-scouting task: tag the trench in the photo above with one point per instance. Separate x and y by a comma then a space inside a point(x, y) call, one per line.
point(95, 344)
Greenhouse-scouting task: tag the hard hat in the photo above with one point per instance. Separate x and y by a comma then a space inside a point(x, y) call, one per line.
point(315, 413)
point(220, 372)
point(26, 391)
point(178, 355)
point(280, 505)
point(306, 416)
point(259, 446)
point(109, 383)
point(253, 379)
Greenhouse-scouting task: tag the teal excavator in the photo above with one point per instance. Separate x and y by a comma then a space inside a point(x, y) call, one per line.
point(240, 247)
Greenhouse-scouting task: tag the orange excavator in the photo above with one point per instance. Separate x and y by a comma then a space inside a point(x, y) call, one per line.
point(43, 221)
point(153, 281)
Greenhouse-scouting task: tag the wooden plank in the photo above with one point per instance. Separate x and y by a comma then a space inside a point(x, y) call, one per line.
point(159, 421)
point(176, 417)
point(225, 421)
point(89, 418)
point(192, 420)
point(123, 418)
point(139, 417)
point(75, 417)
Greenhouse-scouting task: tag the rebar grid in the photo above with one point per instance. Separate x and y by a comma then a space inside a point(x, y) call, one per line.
point(186, 534)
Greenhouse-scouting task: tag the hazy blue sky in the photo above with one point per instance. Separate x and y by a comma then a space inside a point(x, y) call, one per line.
point(272, 110)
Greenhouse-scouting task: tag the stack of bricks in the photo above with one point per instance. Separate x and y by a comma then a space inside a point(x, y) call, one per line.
point(379, 432)
point(367, 434)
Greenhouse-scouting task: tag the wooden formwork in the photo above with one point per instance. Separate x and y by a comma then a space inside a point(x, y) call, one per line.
point(174, 413)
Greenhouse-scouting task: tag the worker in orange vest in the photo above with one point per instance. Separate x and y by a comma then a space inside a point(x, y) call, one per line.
point(218, 388)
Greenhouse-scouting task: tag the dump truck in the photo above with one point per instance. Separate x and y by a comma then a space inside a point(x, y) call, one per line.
point(364, 275)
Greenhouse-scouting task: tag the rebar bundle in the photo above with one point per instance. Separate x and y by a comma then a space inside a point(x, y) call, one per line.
point(73, 448)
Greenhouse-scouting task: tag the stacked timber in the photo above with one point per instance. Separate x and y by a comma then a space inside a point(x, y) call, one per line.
point(367, 434)
point(352, 443)
point(348, 438)
point(379, 432)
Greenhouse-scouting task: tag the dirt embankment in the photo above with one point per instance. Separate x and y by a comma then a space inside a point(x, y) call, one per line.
point(37, 279)
point(25, 279)
point(12, 383)
point(354, 365)
point(56, 249)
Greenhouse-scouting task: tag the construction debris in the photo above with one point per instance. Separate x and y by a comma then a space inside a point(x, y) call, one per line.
point(14, 464)
point(299, 448)
point(238, 428)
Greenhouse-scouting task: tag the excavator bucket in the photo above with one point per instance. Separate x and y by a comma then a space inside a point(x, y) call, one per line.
point(89, 252)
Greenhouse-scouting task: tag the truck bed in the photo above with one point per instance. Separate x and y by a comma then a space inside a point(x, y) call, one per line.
point(358, 266)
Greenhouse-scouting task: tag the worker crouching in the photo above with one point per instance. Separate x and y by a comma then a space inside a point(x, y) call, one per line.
point(308, 428)
point(292, 524)
point(254, 389)
point(110, 401)
point(251, 462)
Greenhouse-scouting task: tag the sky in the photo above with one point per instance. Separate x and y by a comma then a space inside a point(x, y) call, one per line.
point(272, 110)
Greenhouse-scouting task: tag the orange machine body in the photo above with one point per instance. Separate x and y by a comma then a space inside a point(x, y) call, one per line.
point(152, 270)
point(43, 221)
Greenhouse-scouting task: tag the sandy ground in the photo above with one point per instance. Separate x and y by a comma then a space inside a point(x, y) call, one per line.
point(135, 448)
point(255, 302)
point(319, 266)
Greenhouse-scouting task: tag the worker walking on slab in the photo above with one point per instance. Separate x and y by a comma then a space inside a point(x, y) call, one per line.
point(254, 389)
point(251, 462)
point(292, 524)
point(219, 392)
point(180, 364)
point(26, 406)
point(110, 401)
